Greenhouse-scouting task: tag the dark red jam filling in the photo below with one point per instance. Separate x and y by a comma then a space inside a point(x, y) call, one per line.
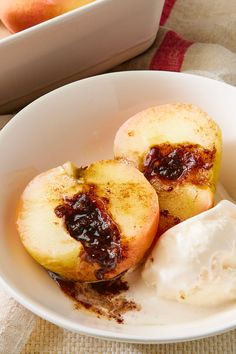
point(87, 220)
point(175, 162)
point(111, 287)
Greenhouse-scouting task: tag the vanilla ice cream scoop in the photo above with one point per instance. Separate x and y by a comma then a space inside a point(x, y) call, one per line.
point(195, 261)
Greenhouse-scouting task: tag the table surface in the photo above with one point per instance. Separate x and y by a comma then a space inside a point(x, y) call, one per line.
point(48, 338)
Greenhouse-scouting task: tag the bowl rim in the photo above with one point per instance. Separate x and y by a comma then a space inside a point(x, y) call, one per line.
point(52, 316)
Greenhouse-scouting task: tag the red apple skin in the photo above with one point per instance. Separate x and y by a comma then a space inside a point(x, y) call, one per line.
point(173, 124)
point(18, 15)
point(133, 206)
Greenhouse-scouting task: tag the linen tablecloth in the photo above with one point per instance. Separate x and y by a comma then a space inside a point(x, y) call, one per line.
point(198, 37)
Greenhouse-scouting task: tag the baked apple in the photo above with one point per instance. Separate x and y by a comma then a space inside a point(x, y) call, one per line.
point(89, 224)
point(178, 149)
point(18, 15)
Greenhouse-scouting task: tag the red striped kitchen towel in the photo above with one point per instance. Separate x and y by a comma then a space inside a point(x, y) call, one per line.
point(196, 36)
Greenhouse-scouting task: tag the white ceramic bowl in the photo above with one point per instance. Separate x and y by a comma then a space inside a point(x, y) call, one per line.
point(77, 44)
point(78, 122)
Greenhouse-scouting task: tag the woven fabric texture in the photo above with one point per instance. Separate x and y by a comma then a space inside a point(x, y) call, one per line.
point(49, 339)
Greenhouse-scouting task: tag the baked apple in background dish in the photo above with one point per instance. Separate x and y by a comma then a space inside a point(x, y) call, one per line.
point(178, 149)
point(18, 15)
point(89, 224)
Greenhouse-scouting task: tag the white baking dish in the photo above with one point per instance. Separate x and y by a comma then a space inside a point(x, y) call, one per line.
point(80, 43)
